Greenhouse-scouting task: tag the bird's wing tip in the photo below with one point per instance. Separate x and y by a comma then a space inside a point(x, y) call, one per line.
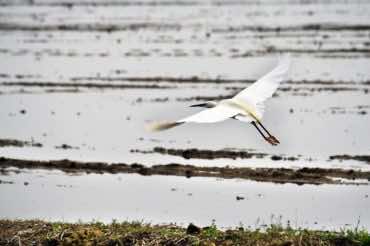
point(161, 126)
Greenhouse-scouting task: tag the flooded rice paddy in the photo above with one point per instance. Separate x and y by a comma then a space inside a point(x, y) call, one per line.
point(82, 80)
point(158, 199)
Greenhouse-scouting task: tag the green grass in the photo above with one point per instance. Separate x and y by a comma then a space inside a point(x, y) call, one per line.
point(125, 233)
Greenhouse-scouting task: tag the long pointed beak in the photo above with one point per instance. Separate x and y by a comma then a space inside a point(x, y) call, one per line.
point(199, 105)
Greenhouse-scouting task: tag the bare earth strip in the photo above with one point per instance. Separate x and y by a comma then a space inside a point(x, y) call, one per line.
point(276, 175)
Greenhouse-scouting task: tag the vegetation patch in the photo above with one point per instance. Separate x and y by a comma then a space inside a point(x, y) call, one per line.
point(35, 232)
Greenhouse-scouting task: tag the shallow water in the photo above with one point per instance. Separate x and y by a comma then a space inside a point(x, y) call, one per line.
point(52, 195)
point(322, 111)
point(107, 126)
point(93, 76)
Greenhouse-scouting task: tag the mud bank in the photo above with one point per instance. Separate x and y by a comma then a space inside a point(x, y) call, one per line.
point(213, 154)
point(100, 27)
point(322, 52)
point(204, 80)
point(364, 158)
point(276, 175)
point(203, 154)
point(305, 91)
point(193, 79)
point(85, 85)
point(93, 80)
point(89, 27)
point(339, 53)
point(18, 143)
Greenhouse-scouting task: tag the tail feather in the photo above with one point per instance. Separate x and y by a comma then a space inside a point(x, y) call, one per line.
point(161, 126)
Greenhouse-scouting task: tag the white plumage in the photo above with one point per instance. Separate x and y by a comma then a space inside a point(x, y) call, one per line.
point(265, 87)
point(246, 106)
point(219, 113)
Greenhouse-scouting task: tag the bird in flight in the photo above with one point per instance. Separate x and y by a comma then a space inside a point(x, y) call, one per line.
point(246, 106)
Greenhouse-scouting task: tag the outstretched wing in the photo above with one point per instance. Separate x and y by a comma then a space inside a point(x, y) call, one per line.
point(216, 114)
point(265, 87)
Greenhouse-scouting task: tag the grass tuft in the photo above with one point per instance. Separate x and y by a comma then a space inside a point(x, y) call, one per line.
point(35, 232)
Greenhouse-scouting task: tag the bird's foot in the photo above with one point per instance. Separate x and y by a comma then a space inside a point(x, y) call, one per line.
point(275, 139)
point(272, 140)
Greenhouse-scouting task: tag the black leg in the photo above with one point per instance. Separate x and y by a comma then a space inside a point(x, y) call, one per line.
point(270, 136)
point(268, 139)
point(255, 125)
point(264, 128)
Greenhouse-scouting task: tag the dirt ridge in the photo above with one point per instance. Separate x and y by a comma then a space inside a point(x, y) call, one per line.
point(276, 175)
point(99, 27)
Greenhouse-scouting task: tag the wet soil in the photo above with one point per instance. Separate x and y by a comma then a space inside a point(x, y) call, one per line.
point(177, 80)
point(193, 79)
point(86, 85)
point(364, 158)
point(89, 27)
point(35, 232)
point(203, 154)
point(196, 79)
point(66, 146)
point(276, 175)
point(18, 143)
point(360, 109)
point(213, 154)
point(101, 27)
point(306, 91)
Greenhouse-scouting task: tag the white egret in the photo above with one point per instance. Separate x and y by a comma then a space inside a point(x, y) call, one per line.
point(246, 106)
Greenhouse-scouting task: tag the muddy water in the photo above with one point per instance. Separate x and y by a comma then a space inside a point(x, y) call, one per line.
point(157, 199)
point(84, 81)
